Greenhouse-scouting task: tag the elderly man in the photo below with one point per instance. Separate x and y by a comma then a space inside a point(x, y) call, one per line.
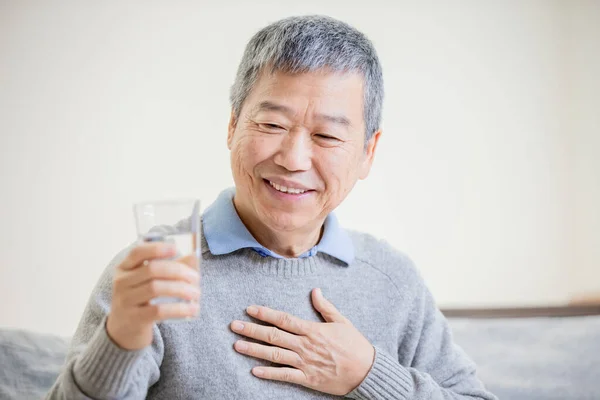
point(293, 306)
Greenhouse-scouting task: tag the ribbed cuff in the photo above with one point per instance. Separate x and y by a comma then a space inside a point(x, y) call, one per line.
point(104, 369)
point(386, 380)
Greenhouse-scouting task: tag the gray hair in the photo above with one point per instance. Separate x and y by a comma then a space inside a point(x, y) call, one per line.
point(306, 44)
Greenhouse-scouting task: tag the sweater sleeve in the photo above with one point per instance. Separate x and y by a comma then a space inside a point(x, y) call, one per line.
point(437, 369)
point(97, 368)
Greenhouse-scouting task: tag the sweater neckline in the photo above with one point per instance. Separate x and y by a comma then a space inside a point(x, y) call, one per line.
point(284, 267)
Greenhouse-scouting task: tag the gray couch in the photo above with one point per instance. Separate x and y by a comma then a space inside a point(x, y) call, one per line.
point(518, 359)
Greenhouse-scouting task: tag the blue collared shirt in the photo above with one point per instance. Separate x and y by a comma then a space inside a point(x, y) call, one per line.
point(225, 233)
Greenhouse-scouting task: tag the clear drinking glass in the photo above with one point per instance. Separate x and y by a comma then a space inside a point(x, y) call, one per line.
point(172, 221)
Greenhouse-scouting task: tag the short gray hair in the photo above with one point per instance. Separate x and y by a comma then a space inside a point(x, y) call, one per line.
point(306, 44)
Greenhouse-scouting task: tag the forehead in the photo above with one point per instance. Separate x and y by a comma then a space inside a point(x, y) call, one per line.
point(323, 91)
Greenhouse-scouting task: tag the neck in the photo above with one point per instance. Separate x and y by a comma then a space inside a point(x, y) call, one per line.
point(286, 243)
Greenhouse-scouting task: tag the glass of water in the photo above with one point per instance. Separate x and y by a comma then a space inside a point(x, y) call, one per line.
point(172, 221)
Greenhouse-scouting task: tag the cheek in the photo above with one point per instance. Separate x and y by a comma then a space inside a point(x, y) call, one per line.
point(248, 152)
point(338, 169)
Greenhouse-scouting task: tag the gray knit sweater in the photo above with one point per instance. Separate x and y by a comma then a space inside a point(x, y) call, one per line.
point(381, 293)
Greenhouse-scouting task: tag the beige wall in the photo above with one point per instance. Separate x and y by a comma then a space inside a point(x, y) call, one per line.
point(584, 130)
point(105, 104)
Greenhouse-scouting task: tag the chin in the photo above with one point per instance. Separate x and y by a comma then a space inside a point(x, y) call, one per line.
point(283, 221)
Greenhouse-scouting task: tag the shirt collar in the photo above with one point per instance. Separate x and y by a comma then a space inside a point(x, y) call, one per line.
point(225, 233)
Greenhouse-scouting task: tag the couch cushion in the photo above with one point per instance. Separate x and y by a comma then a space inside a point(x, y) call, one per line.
point(534, 358)
point(30, 363)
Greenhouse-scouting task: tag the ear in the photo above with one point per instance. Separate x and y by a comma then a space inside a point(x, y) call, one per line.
point(231, 129)
point(369, 155)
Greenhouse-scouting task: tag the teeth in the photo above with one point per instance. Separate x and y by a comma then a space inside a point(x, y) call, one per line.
point(286, 189)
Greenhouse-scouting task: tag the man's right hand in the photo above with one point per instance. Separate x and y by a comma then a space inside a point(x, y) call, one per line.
point(136, 282)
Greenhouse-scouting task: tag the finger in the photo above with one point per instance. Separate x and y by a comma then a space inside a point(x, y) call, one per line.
point(326, 308)
point(283, 320)
point(160, 312)
point(269, 353)
point(283, 374)
point(142, 294)
point(147, 251)
point(267, 334)
point(157, 269)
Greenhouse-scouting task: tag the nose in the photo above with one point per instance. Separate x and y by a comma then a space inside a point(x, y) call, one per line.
point(295, 153)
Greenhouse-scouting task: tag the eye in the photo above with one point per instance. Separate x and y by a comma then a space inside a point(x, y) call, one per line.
point(325, 137)
point(271, 127)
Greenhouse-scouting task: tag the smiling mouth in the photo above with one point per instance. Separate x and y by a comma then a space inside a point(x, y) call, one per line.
point(284, 189)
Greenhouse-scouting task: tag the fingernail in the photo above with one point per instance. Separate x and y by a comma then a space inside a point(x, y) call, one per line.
point(242, 346)
point(252, 310)
point(237, 326)
point(258, 372)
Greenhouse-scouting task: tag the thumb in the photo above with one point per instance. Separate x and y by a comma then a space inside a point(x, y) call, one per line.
point(326, 308)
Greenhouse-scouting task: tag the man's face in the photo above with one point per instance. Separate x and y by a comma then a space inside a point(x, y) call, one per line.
point(298, 147)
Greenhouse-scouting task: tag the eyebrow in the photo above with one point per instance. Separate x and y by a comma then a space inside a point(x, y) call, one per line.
point(270, 106)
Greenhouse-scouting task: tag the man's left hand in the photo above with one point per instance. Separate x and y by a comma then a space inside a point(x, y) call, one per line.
point(331, 357)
